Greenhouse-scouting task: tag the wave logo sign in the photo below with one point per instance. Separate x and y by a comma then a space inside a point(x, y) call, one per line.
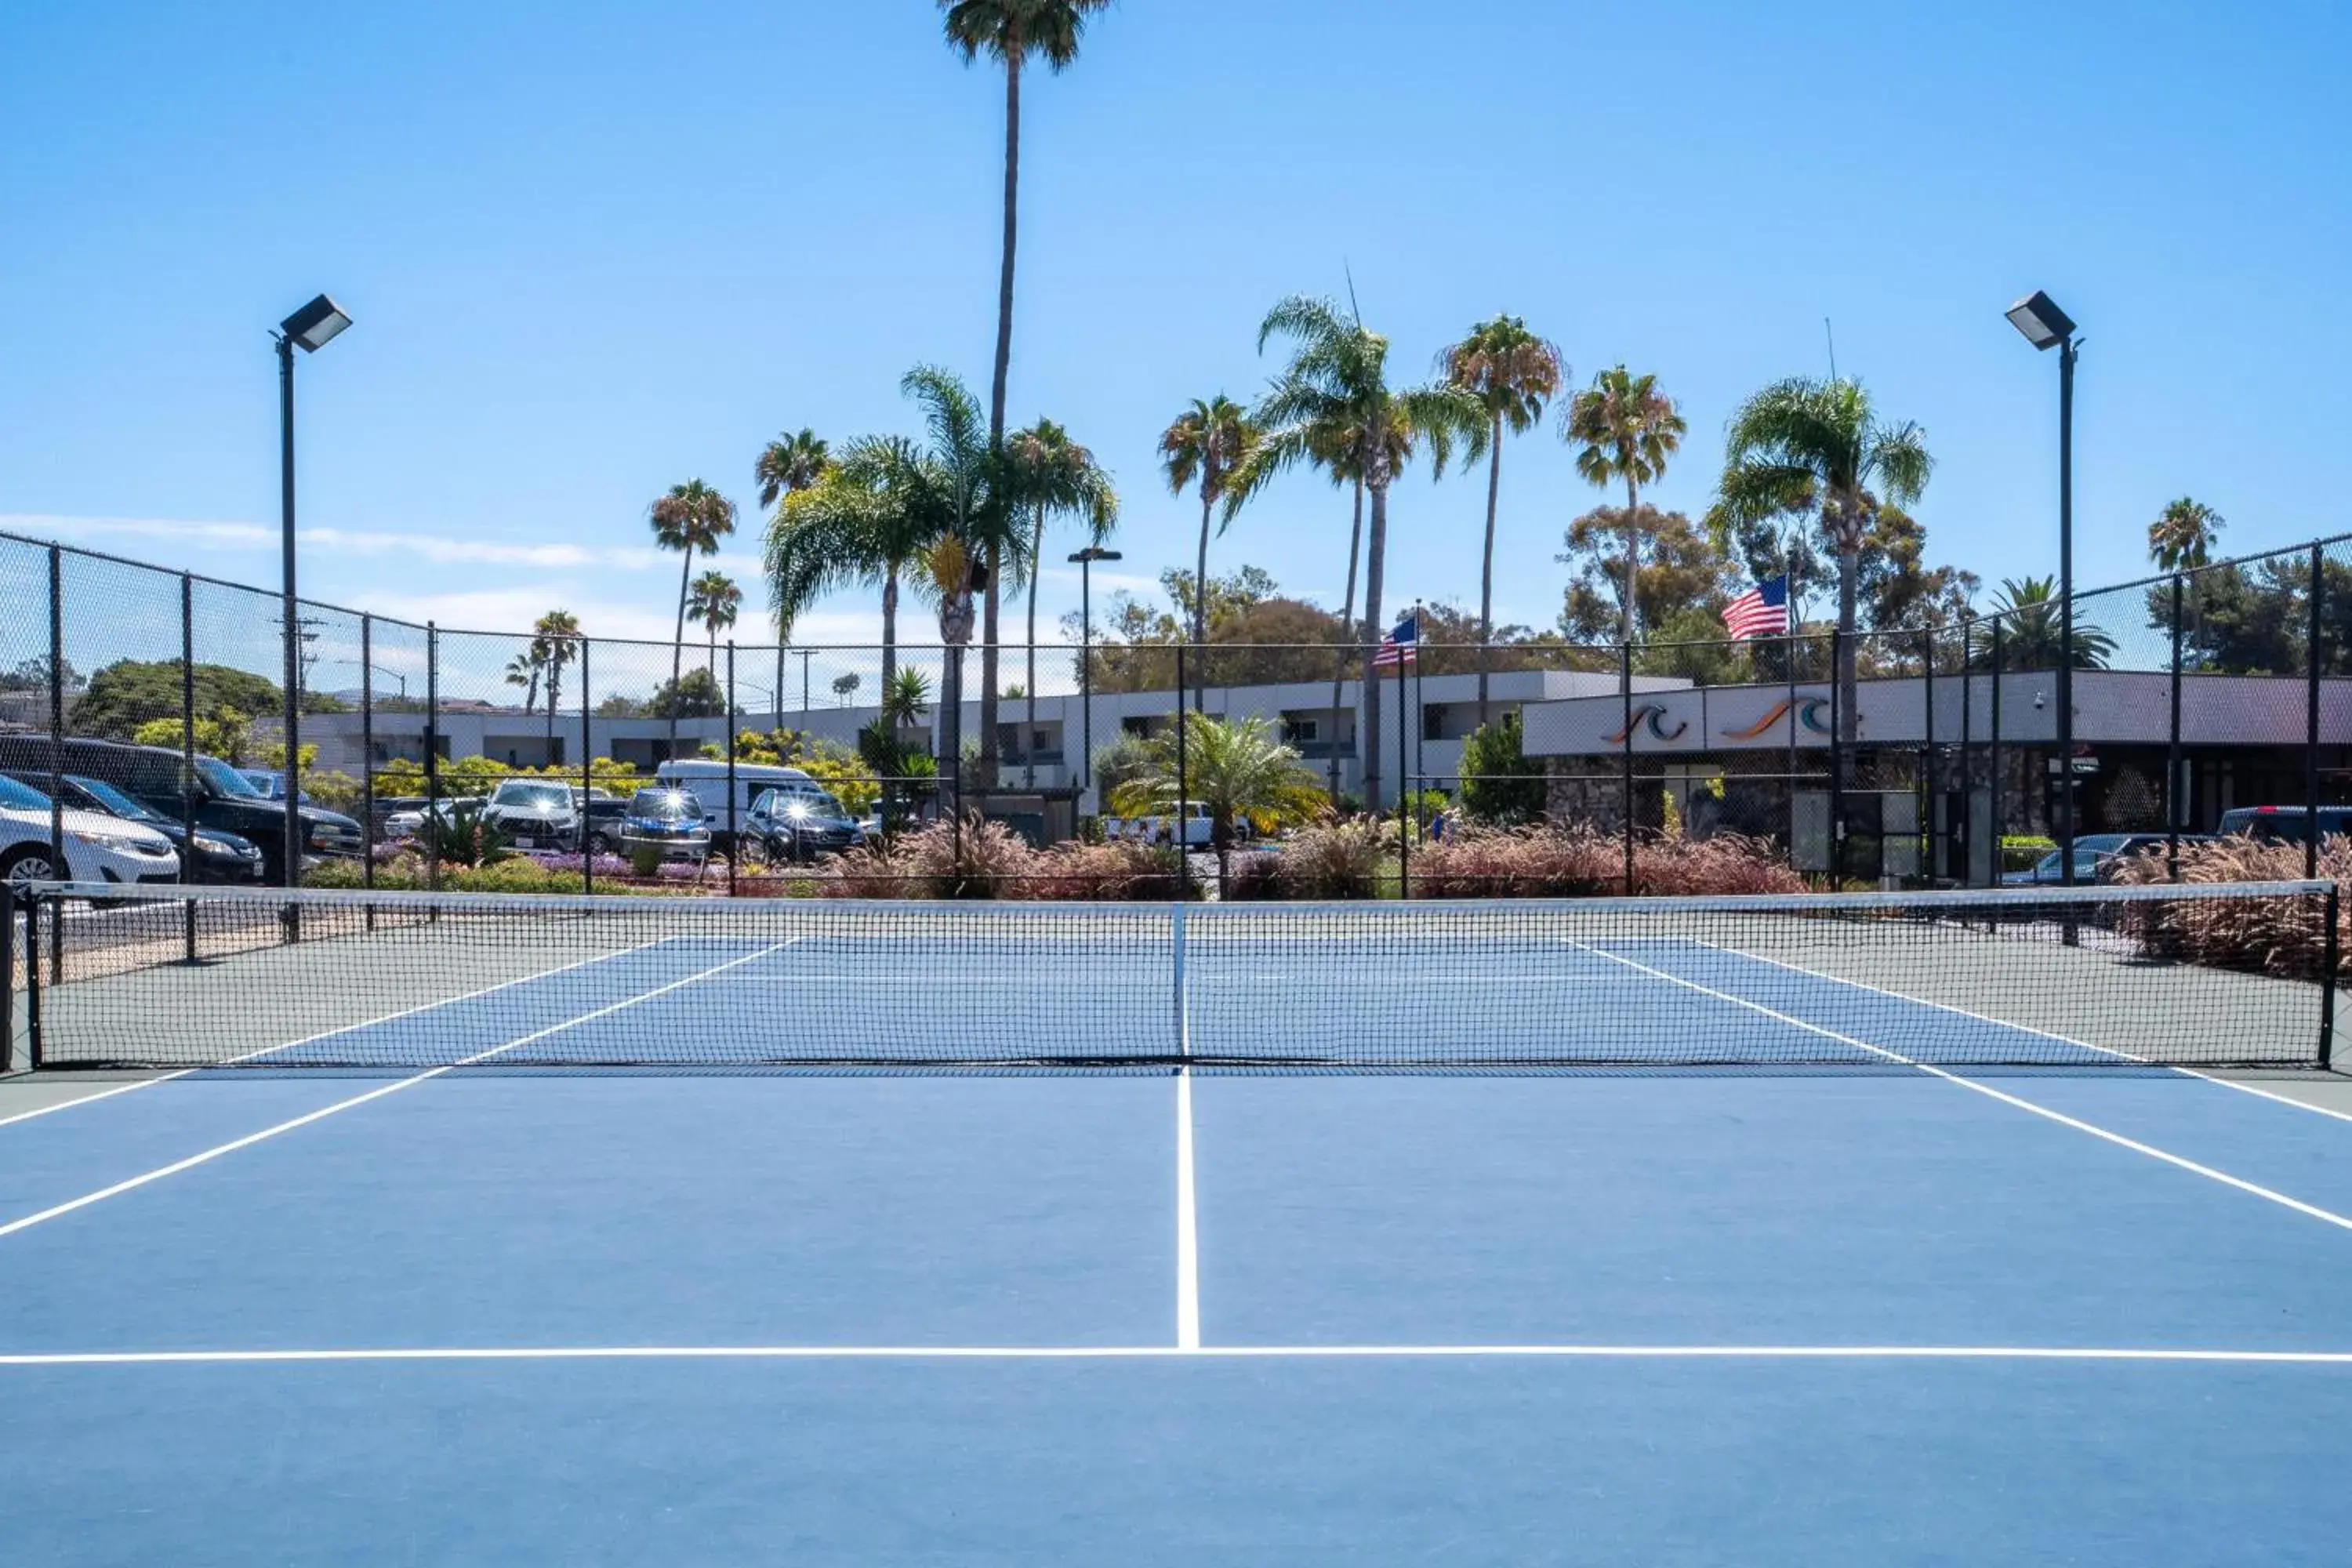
point(1652, 717)
point(1811, 714)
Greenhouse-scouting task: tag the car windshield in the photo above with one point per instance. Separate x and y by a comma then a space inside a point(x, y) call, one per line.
point(114, 800)
point(543, 797)
point(667, 806)
point(17, 796)
point(225, 779)
point(806, 806)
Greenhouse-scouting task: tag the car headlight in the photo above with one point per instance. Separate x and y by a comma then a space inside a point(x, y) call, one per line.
point(116, 841)
point(215, 845)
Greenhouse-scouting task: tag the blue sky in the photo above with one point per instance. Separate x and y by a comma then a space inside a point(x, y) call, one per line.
point(593, 249)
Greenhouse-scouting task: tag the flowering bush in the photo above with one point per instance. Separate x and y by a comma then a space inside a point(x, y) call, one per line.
point(987, 860)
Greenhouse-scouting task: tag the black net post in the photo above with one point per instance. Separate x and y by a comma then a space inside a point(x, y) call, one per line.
point(587, 779)
point(431, 755)
point(2172, 768)
point(188, 755)
point(32, 906)
point(57, 673)
point(734, 834)
point(2312, 661)
point(367, 750)
point(7, 979)
point(2330, 959)
point(1625, 755)
point(1404, 794)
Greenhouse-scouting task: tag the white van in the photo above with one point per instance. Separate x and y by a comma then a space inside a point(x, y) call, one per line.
point(706, 782)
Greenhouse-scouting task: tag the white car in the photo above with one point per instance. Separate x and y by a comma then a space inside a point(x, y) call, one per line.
point(98, 849)
point(1199, 829)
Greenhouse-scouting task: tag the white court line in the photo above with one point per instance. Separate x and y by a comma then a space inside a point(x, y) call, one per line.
point(331, 1034)
point(2023, 1029)
point(1188, 1238)
point(1974, 1087)
point(1200, 1352)
point(250, 1139)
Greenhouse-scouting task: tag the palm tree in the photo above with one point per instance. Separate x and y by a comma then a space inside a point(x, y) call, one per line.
point(1236, 768)
point(1334, 397)
point(1011, 32)
point(789, 464)
point(865, 521)
point(523, 671)
point(978, 528)
point(1047, 474)
point(1207, 443)
point(2182, 537)
point(1803, 445)
point(554, 643)
point(1512, 372)
point(712, 604)
point(692, 517)
point(2031, 633)
point(1624, 428)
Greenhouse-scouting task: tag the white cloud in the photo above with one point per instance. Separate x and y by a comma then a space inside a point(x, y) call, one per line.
point(432, 549)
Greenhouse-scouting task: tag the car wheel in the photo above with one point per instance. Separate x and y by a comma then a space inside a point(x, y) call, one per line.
point(27, 863)
point(603, 844)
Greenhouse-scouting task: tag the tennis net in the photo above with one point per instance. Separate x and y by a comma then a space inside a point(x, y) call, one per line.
point(216, 977)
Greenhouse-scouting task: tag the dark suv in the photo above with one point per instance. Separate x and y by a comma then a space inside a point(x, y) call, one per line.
point(2272, 824)
point(220, 797)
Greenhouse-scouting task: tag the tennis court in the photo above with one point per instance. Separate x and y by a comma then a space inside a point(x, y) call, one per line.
point(1906, 1231)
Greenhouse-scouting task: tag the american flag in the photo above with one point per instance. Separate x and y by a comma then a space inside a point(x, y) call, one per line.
point(1401, 646)
point(1763, 611)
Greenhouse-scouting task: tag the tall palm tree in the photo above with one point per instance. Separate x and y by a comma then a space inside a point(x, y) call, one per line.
point(712, 605)
point(789, 464)
point(1802, 446)
point(692, 517)
point(1048, 475)
point(554, 643)
point(865, 521)
point(523, 671)
point(1624, 428)
point(1206, 444)
point(1011, 32)
point(1336, 390)
point(2182, 537)
point(1513, 374)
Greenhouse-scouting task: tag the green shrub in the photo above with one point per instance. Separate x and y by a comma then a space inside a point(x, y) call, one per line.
point(1500, 783)
point(2019, 851)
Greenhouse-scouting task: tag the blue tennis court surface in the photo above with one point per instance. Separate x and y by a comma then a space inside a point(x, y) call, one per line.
point(1894, 1308)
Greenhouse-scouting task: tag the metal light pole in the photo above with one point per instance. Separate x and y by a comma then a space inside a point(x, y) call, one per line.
point(1085, 560)
point(2045, 326)
point(311, 327)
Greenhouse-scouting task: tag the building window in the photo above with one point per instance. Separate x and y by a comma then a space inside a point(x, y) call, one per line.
point(1432, 723)
point(1300, 731)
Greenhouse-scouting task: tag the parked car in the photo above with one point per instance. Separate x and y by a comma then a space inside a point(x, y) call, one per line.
point(669, 822)
point(216, 793)
point(407, 822)
point(1193, 827)
point(98, 848)
point(2287, 823)
point(604, 814)
point(800, 823)
point(706, 780)
point(271, 784)
point(535, 814)
point(2095, 857)
point(217, 856)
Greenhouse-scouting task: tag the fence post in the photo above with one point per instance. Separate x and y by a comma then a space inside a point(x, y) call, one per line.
point(1993, 756)
point(1928, 770)
point(1837, 760)
point(7, 979)
point(1625, 754)
point(1968, 747)
point(2330, 957)
point(1181, 833)
point(2311, 717)
point(431, 756)
point(58, 865)
point(188, 756)
point(587, 779)
point(734, 830)
point(1405, 793)
point(367, 758)
point(2172, 802)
